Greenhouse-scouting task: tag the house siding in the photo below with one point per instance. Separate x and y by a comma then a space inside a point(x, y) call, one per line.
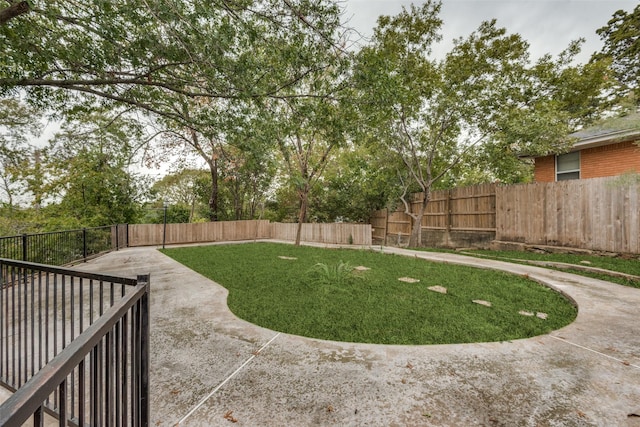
point(607, 160)
point(610, 160)
point(545, 169)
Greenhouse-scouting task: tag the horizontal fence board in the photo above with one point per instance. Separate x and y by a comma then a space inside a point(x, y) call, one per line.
point(462, 209)
point(338, 233)
point(333, 233)
point(597, 214)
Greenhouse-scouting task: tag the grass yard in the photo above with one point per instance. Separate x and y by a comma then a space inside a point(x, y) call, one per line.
point(317, 293)
point(627, 265)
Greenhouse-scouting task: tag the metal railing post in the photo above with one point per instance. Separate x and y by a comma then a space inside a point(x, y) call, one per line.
point(144, 404)
point(84, 244)
point(24, 247)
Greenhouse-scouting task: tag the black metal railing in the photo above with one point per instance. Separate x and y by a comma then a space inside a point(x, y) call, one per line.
point(63, 247)
point(73, 345)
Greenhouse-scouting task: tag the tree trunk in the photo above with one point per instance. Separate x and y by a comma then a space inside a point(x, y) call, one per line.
point(237, 202)
point(415, 240)
point(192, 210)
point(213, 201)
point(302, 215)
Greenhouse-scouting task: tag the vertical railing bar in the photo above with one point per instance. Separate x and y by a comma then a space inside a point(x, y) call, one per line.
point(116, 373)
point(101, 297)
point(72, 304)
point(92, 400)
point(84, 244)
point(46, 320)
point(3, 312)
point(63, 318)
point(32, 338)
point(108, 370)
point(13, 326)
point(144, 353)
point(5, 274)
point(4, 333)
point(19, 321)
point(40, 346)
point(93, 381)
point(81, 393)
point(24, 248)
point(125, 347)
point(62, 407)
point(112, 293)
point(91, 301)
point(38, 417)
point(134, 348)
point(55, 315)
point(25, 323)
point(71, 338)
point(81, 298)
point(100, 384)
point(55, 324)
point(121, 342)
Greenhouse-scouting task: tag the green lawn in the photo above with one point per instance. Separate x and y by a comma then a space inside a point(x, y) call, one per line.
point(628, 265)
point(314, 297)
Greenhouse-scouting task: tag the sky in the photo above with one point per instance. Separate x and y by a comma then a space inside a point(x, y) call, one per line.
point(548, 25)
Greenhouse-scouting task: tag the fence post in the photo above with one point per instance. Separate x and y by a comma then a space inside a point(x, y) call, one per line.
point(386, 226)
point(24, 247)
point(117, 239)
point(127, 234)
point(84, 244)
point(448, 212)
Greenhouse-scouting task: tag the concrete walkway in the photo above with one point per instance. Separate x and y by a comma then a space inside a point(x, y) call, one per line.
point(209, 368)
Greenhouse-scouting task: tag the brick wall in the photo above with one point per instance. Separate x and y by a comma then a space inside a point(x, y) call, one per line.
point(608, 160)
point(545, 169)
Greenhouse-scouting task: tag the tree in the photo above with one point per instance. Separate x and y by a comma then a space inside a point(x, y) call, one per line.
point(433, 114)
point(160, 55)
point(360, 179)
point(187, 188)
point(88, 181)
point(15, 9)
point(239, 162)
point(621, 37)
point(18, 124)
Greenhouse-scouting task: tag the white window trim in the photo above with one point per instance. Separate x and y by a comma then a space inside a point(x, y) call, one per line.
point(570, 170)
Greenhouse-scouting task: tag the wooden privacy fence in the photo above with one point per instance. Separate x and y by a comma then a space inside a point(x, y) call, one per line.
point(338, 233)
point(601, 214)
point(467, 209)
point(598, 214)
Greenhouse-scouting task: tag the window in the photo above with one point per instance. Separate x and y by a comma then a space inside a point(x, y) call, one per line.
point(568, 166)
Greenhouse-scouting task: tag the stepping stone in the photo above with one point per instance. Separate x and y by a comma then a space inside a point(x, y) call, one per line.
point(361, 268)
point(408, 280)
point(525, 313)
point(482, 302)
point(542, 316)
point(287, 257)
point(439, 289)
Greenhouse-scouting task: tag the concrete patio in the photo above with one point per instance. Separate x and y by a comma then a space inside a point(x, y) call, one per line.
point(210, 368)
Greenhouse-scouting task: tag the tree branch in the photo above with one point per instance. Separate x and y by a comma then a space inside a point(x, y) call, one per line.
point(13, 10)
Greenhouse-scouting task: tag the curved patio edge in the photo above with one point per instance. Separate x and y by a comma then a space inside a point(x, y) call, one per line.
point(587, 373)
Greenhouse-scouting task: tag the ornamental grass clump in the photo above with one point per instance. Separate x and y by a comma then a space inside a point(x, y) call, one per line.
point(338, 274)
